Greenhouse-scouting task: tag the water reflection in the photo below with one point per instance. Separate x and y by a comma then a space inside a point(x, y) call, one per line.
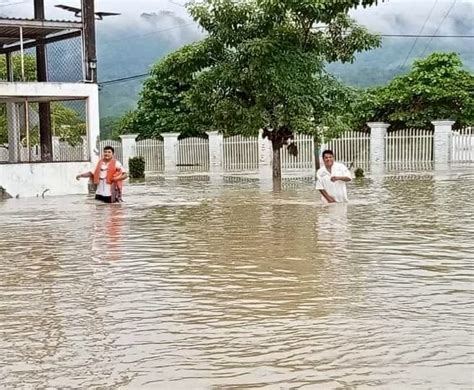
point(189, 284)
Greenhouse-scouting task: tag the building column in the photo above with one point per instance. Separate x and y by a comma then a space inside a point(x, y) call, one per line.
point(170, 143)
point(93, 125)
point(128, 148)
point(14, 138)
point(442, 142)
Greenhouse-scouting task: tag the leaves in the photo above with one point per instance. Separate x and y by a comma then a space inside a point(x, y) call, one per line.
point(436, 88)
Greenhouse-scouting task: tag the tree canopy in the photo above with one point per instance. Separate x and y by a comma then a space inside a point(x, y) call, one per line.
point(260, 66)
point(437, 87)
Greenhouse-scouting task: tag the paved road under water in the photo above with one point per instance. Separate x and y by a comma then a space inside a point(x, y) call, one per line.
point(193, 284)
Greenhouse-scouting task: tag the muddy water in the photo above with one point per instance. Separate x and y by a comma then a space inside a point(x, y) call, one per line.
point(193, 284)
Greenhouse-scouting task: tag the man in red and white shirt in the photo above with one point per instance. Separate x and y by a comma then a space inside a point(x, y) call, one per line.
point(108, 176)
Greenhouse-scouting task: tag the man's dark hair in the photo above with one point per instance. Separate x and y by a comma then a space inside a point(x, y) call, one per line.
point(109, 148)
point(328, 152)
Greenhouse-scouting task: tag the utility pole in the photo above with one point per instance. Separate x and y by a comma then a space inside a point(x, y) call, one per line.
point(90, 57)
point(46, 141)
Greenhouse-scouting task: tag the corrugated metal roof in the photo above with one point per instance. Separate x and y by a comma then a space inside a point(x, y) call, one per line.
point(32, 29)
point(35, 20)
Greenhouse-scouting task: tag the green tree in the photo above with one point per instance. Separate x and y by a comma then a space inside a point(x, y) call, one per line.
point(30, 75)
point(437, 87)
point(261, 66)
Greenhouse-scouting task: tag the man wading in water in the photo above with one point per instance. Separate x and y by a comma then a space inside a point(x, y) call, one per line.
point(108, 176)
point(331, 179)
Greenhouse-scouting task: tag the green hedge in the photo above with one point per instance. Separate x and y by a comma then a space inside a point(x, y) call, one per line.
point(137, 167)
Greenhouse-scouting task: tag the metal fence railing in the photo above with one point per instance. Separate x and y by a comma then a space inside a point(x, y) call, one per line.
point(40, 132)
point(240, 153)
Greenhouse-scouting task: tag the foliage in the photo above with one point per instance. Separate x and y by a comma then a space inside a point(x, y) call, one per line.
point(359, 173)
point(30, 75)
point(29, 63)
point(436, 88)
point(261, 66)
point(109, 128)
point(136, 167)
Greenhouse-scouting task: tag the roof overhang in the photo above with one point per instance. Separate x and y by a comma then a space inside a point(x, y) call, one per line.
point(34, 32)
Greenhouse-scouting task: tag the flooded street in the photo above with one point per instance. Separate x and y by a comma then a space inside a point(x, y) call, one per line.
point(193, 284)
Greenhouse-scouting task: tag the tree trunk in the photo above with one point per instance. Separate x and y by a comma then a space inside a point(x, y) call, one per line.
point(276, 168)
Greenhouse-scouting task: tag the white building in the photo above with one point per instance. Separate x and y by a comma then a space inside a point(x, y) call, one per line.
point(49, 104)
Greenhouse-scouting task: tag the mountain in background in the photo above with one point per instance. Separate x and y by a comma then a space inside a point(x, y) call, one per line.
point(130, 49)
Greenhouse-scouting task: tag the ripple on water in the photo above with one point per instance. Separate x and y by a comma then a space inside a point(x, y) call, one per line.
point(194, 285)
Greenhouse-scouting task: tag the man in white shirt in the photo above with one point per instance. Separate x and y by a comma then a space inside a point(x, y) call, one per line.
point(331, 179)
point(108, 176)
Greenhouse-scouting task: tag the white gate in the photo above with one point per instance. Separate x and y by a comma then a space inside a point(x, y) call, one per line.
point(152, 150)
point(193, 154)
point(240, 153)
point(351, 148)
point(462, 145)
point(409, 148)
point(305, 157)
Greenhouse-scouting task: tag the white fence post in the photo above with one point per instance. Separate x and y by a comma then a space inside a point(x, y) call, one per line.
point(265, 154)
point(170, 143)
point(442, 141)
point(128, 148)
point(216, 145)
point(378, 131)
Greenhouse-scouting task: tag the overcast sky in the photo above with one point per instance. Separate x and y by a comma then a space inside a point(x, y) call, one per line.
point(391, 16)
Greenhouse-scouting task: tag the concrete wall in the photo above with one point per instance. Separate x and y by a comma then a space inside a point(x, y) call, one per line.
point(27, 180)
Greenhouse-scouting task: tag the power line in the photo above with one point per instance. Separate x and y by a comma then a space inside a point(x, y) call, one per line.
point(439, 26)
point(421, 30)
point(424, 36)
point(122, 79)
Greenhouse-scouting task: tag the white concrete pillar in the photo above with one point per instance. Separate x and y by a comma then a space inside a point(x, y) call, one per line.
point(93, 124)
point(170, 143)
point(442, 141)
point(13, 124)
point(265, 153)
point(128, 148)
point(216, 149)
point(378, 131)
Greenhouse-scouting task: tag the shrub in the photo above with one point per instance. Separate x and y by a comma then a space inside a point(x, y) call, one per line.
point(137, 167)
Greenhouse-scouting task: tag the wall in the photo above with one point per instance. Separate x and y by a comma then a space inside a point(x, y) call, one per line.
point(26, 180)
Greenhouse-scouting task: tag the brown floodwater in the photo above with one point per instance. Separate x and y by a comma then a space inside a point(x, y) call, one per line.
point(200, 284)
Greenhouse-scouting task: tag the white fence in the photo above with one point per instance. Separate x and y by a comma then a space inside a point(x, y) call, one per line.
point(152, 150)
point(353, 147)
point(462, 145)
point(409, 148)
point(240, 153)
point(305, 157)
point(62, 151)
point(400, 149)
point(193, 154)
